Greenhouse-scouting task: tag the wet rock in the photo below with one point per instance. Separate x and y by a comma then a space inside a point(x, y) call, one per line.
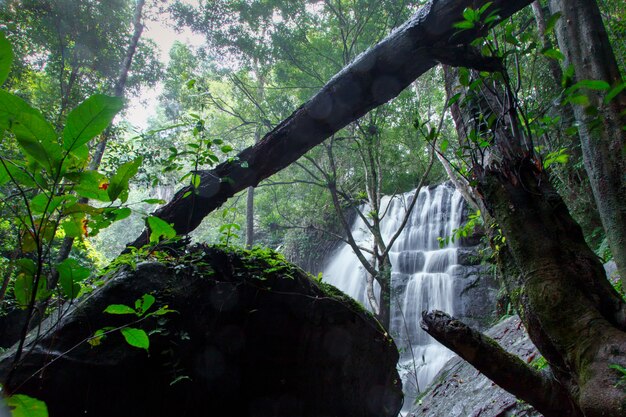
point(251, 336)
point(459, 390)
point(476, 291)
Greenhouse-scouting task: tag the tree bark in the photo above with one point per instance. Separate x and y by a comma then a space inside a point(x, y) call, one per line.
point(585, 44)
point(249, 217)
point(373, 79)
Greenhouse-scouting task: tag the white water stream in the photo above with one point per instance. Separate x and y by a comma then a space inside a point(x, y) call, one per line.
point(421, 278)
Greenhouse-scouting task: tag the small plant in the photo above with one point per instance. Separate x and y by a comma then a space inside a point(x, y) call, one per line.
point(539, 363)
point(473, 220)
point(228, 231)
point(622, 371)
point(21, 405)
point(134, 336)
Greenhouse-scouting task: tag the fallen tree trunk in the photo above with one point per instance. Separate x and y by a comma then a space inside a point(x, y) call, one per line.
point(507, 370)
point(373, 79)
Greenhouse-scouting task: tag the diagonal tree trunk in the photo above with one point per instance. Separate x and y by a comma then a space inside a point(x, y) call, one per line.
point(373, 79)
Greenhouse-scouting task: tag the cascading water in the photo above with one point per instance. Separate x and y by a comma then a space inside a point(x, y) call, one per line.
point(421, 276)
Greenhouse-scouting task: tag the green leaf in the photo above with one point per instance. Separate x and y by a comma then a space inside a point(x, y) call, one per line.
point(89, 119)
point(553, 53)
point(6, 58)
point(118, 187)
point(70, 274)
point(154, 201)
point(90, 184)
point(136, 337)
point(121, 213)
point(119, 309)
point(98, 336)
point(35, 135)
point(464, 25)
point(75, 225)
point(611, 94)
point(23, 285)
point(226, 148)
point(13, 108)
point(4, 174)
point(143, 304)
point(159, 229)
point(597, 85)
point(195, 180)
point(444, 145)
point(25, 406)
point(470, 14)
point(162, 311)
point(618, 368)
point(464, 76)
point(484, 8)
point(455, 98)
point(42, 202)
point(552, 21)
point(578, 100)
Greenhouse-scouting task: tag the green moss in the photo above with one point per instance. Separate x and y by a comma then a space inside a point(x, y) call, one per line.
point(539, 363)
point(334, 292)
point(262, 263)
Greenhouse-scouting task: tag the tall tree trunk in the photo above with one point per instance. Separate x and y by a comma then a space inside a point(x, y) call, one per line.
point(120, 83)
point(249, 217)
point(250, 205)
point(585, 44)
point(257, 137)
point(546, 43)
point(576, 189)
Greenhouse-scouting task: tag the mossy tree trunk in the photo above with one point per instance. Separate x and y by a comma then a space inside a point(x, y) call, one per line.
point(572, 313)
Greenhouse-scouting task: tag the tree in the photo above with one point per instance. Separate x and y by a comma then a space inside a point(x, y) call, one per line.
point(601, 119)
point(69, 50)
point(572, 313)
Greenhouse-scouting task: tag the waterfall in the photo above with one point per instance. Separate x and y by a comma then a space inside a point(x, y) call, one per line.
point(421, 276)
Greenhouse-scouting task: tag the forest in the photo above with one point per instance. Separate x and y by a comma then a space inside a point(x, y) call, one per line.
point(283, 208)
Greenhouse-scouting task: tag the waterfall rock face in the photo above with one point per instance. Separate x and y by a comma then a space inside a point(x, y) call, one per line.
point(425, 276)
point(251, 336)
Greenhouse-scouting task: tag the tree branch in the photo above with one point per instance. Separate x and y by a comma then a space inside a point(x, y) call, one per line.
point(511, 373)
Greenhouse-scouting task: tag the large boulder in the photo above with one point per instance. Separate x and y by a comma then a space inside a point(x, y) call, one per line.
point(459, 390)
point(251, 336)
